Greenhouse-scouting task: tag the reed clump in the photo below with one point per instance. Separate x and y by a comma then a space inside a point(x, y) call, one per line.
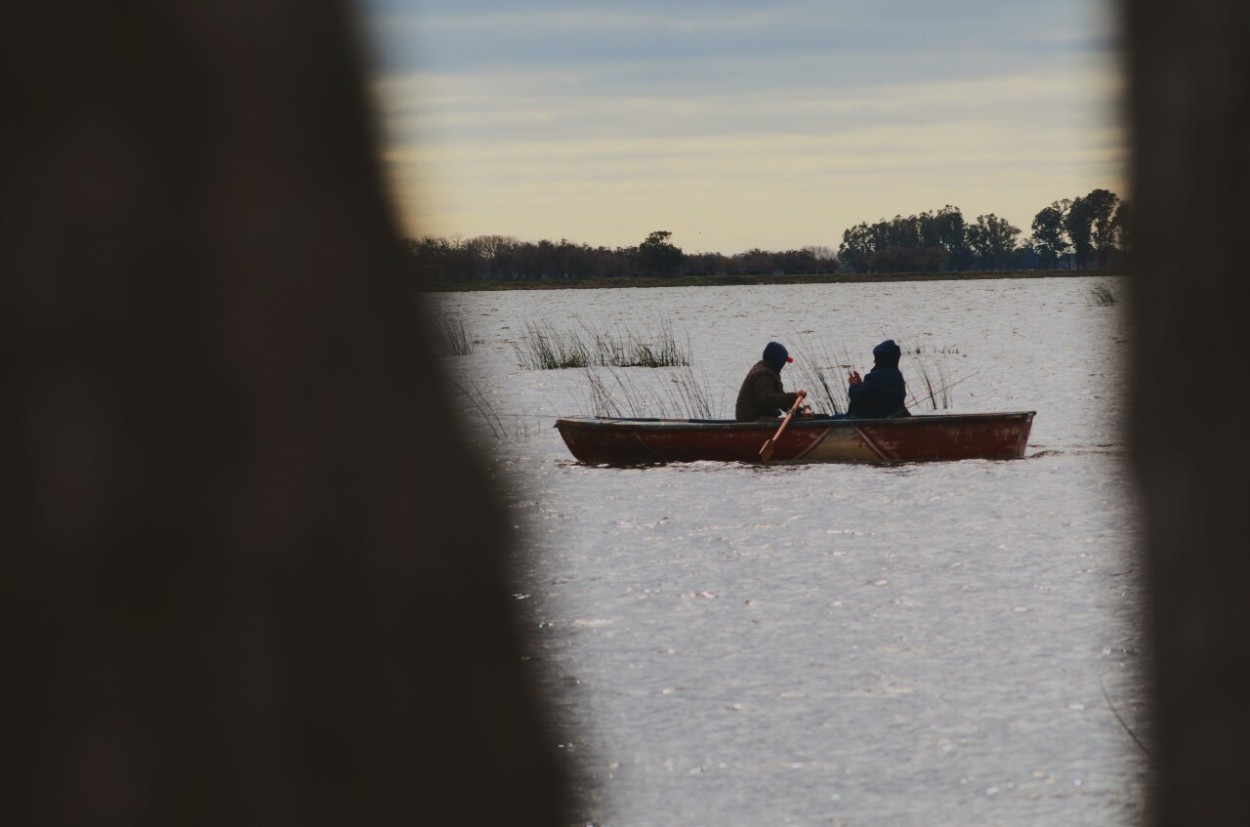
point(675, 393)
point(453, 338)
point(544, 347)
point(932, 369)
point(933, 366)
point(482, 413)
point(1102, 296)
point(823, 374)
point(678, 393)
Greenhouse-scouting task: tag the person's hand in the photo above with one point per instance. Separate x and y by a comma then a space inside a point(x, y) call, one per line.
point(854, 378)
point(806, 410)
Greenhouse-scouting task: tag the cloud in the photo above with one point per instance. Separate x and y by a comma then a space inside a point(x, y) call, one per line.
point(473, 36)
point(599, 122)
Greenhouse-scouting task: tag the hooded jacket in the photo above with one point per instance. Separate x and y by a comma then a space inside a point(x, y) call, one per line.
point(883, 393)
point(762, 395)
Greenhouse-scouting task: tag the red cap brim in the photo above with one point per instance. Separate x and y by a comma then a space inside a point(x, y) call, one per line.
point(789, 358)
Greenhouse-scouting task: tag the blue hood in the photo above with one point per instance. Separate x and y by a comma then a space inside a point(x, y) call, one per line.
point(887, 354)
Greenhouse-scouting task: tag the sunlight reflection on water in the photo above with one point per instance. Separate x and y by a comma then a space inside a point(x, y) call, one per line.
point(923, 644)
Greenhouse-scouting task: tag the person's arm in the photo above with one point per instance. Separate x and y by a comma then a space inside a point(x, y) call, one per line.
point(854, 384)
point(769, 397)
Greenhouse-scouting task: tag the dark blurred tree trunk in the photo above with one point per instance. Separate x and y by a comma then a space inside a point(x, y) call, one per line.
point(250, 573)
point(1189, 66)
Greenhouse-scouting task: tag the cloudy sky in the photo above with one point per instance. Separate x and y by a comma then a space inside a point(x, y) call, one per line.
point(738, 124)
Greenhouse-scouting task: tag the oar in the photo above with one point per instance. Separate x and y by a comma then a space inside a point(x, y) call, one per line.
point(766, 453)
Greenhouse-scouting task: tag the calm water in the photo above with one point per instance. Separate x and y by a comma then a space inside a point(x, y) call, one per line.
point(942, 644)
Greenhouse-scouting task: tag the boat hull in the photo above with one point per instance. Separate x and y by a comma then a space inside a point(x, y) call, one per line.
point(925, 438)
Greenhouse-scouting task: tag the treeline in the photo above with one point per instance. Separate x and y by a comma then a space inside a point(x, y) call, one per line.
point(1074, 233)
point(503, 258)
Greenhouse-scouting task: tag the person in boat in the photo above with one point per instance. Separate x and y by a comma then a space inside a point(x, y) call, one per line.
point(883, 392)
point(762, 396)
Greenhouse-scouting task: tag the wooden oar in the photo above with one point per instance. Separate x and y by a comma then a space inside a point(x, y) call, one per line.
point(766, 453)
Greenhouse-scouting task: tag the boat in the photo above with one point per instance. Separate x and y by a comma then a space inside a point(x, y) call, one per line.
point(618, 441)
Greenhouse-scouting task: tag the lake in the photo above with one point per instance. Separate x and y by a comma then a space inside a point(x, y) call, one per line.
point(926, 644)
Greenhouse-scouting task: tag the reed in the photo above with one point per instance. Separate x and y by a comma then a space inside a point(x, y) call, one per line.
point(822, 372)
point(546, 348)
point(543, 347)
point(932, 364)
point(453, 338)
point(675, 393)
point(602, 401)
point(678, 393)
point(823, 375)
point(484, 415)
point(688, 394)
point(479, 403)
point(1102, 296)
point(931, 368)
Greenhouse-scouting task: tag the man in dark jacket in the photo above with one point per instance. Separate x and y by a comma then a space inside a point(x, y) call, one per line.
point(882, 393)
point(761, 395)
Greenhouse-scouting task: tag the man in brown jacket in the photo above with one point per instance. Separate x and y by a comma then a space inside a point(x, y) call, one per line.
point(762, 395)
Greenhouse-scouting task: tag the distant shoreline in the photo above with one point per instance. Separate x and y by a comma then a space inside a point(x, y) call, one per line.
point(729, 281)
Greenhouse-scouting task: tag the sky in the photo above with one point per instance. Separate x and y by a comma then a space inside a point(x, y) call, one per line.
point(737, 125)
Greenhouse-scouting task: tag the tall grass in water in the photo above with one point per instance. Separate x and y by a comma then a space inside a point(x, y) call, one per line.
point(687, 394)
point(543, 347)
point(482, 413)
point(453, 340)
point(483, 407)
point(674, 393)
point(932, 366)
point(546, 348)
point(1102, 296)
point(823, 375)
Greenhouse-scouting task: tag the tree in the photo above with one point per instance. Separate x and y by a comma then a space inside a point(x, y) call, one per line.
point(948, 229)
point(1101, 205)
point(899, 259)
point(993, 241)
point(857, 247)
point(1077, 224)
point(657, 256)
point(903, 232)
point(1090, 226)
point(825, 254)
point(1124, 227)
point(1049, 236)
point(929, 241)
point(492, 251)
point(431, 258)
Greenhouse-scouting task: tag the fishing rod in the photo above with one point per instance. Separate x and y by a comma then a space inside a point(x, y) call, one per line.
point(942, 389)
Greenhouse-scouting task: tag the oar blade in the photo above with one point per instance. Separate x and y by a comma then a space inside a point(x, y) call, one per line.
point(766, 453)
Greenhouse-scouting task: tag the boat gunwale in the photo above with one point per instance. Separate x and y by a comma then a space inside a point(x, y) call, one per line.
point(768, 425)
point(630, 441)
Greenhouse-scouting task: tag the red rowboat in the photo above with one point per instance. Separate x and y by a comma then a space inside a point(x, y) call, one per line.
point(924, 438)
